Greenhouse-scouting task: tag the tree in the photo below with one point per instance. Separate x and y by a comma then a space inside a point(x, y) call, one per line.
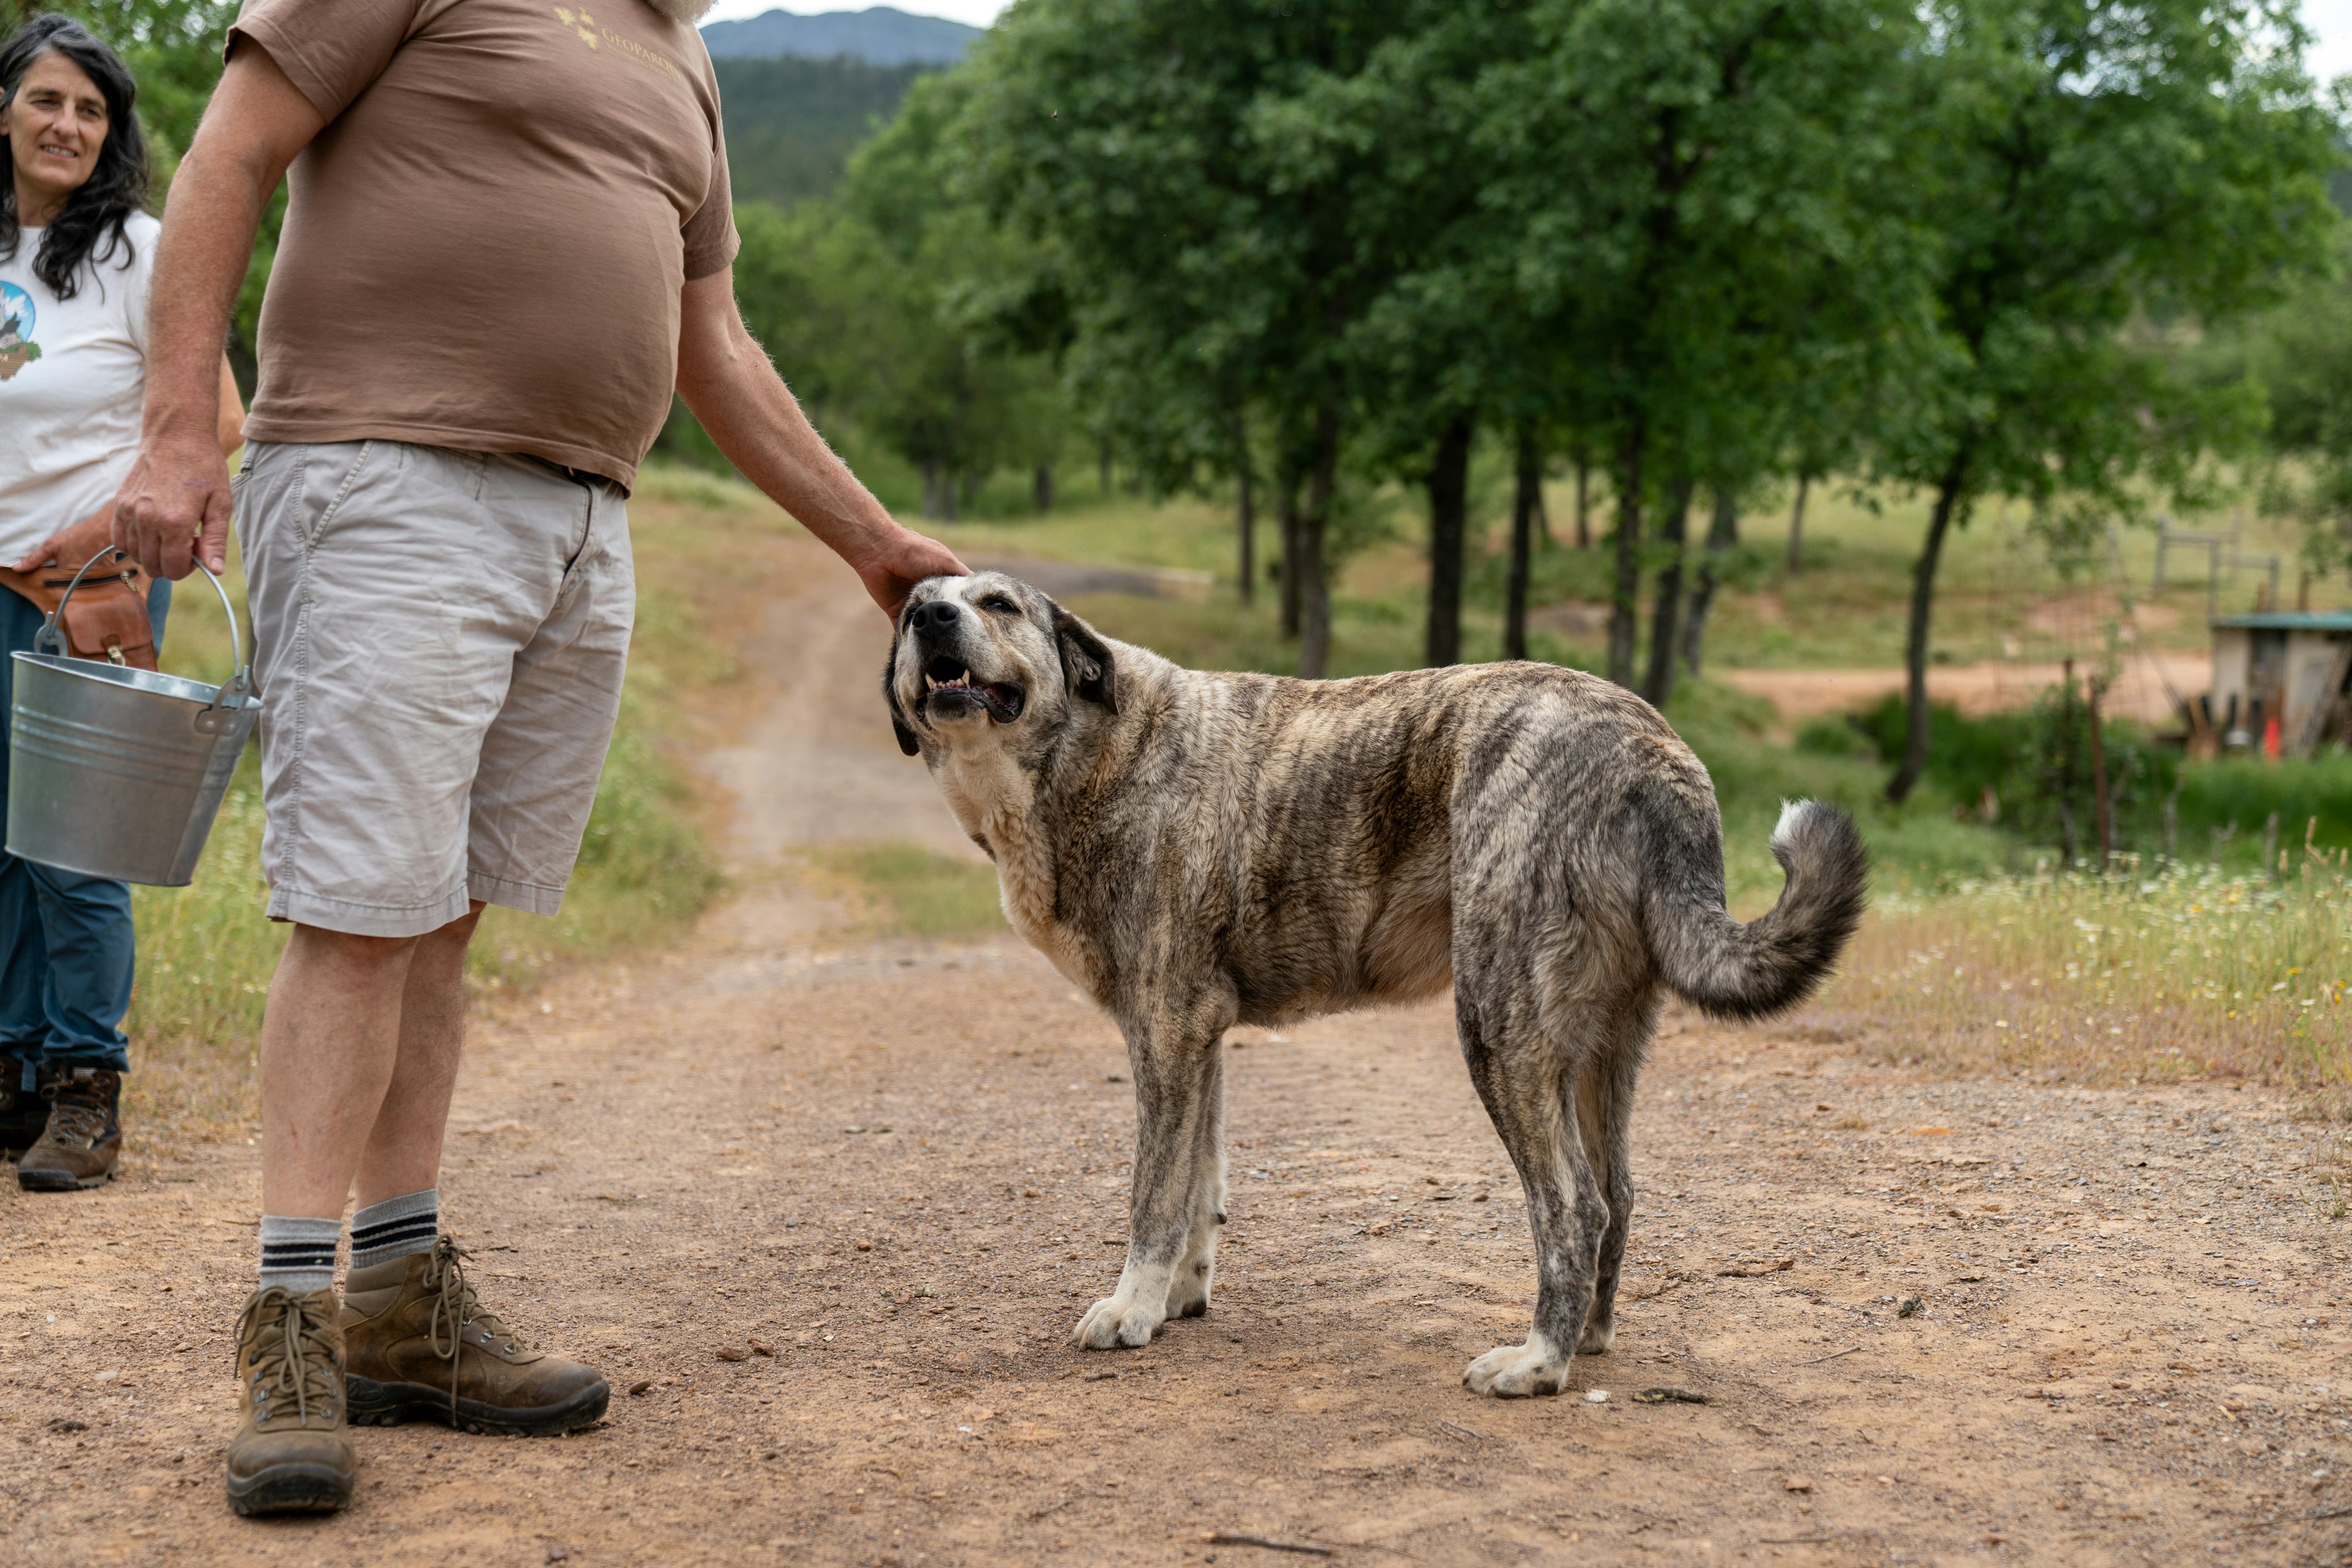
point(2090, 167)
point(2300, 355)
point(1691, 212)
point(902, 309)
point(1205, 204)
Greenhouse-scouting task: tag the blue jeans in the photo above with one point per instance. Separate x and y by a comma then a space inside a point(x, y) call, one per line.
point(66, 953)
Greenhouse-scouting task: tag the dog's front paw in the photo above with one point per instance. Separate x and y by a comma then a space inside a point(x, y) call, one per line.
point(1117, 1320)
point(1517, 1371)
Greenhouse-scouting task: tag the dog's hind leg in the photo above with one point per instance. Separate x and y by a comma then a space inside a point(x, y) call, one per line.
point(1527, 1075)
point(1178, 1185)
point(1604, 1108)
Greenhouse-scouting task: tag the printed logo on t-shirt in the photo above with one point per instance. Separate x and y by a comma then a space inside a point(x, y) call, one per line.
point(17, 348)
point(595, 33)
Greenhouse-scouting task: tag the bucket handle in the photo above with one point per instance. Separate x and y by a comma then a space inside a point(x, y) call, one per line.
point(51, 639)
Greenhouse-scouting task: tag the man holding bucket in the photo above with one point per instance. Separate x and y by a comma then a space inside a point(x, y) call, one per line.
point(509, 234)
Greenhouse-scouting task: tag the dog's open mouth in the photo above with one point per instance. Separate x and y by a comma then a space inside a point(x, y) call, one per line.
point(948, 689)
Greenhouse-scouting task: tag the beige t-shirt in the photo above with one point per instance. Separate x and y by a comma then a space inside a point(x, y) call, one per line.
point(484, 248)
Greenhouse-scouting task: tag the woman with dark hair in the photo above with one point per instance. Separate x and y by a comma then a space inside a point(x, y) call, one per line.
point(76, 254)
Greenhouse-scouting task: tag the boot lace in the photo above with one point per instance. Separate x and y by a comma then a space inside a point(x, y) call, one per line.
point(456, 1306)
point(293, 1353)
point(77, 1114)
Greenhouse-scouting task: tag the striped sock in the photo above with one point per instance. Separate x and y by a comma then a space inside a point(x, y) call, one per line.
point(298, 1253)
point(395, 1227)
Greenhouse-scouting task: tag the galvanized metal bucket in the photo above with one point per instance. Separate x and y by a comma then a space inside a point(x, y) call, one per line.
point(115, 772)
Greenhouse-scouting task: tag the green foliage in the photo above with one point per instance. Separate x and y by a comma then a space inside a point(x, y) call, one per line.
point(791, 123)
point(2225, 803)
point(2084, 179)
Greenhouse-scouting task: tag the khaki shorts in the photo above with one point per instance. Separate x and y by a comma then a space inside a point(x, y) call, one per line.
point(439, 638)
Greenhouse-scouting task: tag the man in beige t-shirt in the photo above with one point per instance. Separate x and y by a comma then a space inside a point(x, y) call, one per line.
point(508, 236)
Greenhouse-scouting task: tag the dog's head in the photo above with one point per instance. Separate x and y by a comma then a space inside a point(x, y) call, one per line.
point(988, 657)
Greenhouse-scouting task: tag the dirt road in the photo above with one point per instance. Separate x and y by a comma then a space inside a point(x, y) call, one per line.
point(1931, 1321)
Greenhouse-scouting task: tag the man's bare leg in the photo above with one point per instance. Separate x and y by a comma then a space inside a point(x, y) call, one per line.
point(359, 1054)
point(403, 1149)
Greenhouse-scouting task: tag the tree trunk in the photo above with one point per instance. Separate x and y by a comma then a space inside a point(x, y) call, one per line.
point(971, 482)
point(1623, 591)
point(1449, 505)
point(2066, 762)
point(1948, 492)
point(1286, 510)
point(1722, 533)
point(1583, 512)
point(1246, 506)
point(1796, 524)
point(1315, 592)
point(1526, 506)
point(1102, 470)
point(1044, 487)
point(932, 490)
point(2099, 814)
point(1659, 684)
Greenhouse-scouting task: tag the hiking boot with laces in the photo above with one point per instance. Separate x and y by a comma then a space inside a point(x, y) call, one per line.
point(83, 1140)
point(420, 1344)
point(23, 1112)
point(293, 1452)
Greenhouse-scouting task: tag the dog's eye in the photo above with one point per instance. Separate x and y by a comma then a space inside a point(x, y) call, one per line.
point(1000, 604)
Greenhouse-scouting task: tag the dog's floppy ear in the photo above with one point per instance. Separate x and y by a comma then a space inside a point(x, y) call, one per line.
point(1086, 660)
point(898, 725)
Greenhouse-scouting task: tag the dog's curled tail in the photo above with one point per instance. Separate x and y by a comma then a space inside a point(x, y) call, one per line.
point(1775, 960)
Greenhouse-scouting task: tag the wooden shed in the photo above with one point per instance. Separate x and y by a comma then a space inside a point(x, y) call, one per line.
point(2287, 670)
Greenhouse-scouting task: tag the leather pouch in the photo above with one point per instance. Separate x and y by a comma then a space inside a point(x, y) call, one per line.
point(108, 618)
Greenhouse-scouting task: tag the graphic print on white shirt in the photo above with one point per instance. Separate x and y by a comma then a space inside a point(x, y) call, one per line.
point(18, 316)
point(73, 379)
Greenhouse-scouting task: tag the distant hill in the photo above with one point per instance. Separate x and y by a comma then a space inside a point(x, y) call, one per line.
point(880, 36)
point(791, 123)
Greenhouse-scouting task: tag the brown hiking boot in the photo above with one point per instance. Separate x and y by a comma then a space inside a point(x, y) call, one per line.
point(292, 1453)
point(79, 1146)
point(23, 1112)
point(420, 1344)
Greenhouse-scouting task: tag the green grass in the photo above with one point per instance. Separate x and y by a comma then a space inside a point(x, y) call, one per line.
point(919, 892)
point(2133, 976)
point(2001, 594)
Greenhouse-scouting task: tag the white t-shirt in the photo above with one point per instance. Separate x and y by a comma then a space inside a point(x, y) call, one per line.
point(73, 376)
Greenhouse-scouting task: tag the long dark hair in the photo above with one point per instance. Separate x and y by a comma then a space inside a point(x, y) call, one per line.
point(95, 214)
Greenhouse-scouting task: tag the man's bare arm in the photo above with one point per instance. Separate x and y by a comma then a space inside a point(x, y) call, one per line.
point(231, 433)
point(758, 424)
point(176, 500)
point(78, 541)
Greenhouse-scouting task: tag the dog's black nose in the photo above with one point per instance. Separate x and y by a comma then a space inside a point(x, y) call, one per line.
point(938, 614)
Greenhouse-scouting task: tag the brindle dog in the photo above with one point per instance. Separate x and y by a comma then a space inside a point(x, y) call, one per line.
point(1198, 850)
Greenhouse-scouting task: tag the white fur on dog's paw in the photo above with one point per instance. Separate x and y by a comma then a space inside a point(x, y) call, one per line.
point(1597, 1339)
point(1517, 1371)
point(1188, 1295)
point(1117, 1320)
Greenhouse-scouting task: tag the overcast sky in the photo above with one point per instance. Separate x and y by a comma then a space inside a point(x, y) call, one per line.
point(2331, 20)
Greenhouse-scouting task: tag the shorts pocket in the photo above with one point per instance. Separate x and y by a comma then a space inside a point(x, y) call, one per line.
point(318, 515)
